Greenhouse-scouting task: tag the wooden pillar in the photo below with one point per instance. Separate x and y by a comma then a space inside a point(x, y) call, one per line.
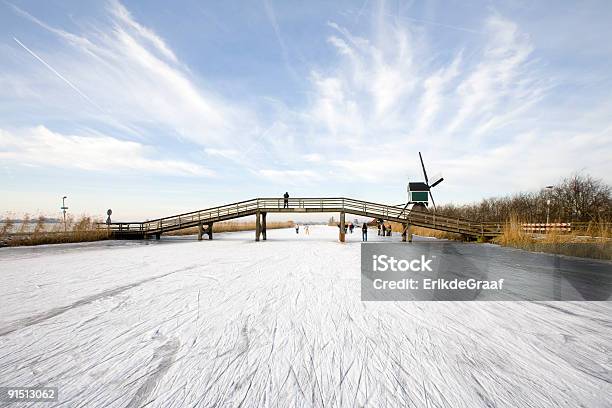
point(404, 232)
point(263, 225)
point(257, 225)
point(209, 230)
point(407, 232)
point(200, 231)
point(342, 224)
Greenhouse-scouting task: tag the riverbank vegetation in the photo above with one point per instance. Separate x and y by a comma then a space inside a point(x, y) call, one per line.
point(581, 202)
point(38, 231)
point(577, 198)
point(594, 241)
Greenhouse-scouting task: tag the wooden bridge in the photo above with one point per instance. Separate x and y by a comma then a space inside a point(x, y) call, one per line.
point(260, 207)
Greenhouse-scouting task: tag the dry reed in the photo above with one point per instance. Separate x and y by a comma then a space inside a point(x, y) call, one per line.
point(82, 229)
point(593, 242)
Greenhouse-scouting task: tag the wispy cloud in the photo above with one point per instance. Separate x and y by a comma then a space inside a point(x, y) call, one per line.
point(291, 177)
point(389, 95)
point(125, 17)
point(60, 76)
point(502, 73)
point(40, 146)
point(271, 15)
point(435, 87)
point(436, 24)
point(129, 72)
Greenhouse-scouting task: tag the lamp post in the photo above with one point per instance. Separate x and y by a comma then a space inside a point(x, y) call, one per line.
point(549, 188)
point(64, 208)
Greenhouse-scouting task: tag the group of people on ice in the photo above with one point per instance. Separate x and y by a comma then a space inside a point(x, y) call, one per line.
point(348, 227)
point(306, 229)
point(384, 230)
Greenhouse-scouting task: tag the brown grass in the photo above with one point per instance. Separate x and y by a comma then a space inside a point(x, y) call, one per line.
point(7, 226)
point(82, 229)
point(233, 226)
point(593, 242)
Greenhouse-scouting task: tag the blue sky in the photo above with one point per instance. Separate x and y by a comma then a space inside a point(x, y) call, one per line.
point(155, 107)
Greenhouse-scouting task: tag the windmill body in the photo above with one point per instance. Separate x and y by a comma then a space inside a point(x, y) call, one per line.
point(419, 193)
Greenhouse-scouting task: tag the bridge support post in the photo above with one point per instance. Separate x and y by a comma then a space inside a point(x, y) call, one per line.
point(342, 224)
point(263, 225)
point(406, 233)
point(158, 236)
point(209, 230)
point(257, 225)
point(200, 231)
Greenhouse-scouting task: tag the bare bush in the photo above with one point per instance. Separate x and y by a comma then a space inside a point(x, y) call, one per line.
point(578, 197)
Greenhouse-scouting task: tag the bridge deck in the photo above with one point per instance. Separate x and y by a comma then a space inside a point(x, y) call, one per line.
point(303, 205)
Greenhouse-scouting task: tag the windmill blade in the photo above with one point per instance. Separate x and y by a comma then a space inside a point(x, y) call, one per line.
point(424, 172)
point(432, 200)
point(441, 179)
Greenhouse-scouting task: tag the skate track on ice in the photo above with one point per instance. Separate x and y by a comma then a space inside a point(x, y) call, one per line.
point(232, 322)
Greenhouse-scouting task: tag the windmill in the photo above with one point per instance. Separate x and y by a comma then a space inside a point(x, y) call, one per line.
point(419, 193)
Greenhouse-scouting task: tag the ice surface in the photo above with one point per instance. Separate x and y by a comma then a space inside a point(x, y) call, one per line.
point(233, 322)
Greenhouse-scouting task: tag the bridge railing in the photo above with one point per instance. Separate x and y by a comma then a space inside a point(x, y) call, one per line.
point(122, 226)
point(206, 215)
point(452, 224)
point(185, 218)
point(333, 204)
point(395, 212)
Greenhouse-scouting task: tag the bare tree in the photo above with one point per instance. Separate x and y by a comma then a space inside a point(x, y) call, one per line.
point(575, 198)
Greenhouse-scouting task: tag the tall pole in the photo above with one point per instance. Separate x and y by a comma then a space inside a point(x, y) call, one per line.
point(257, 225)
point(549, 188)
point(263, 225)
point(64, 208)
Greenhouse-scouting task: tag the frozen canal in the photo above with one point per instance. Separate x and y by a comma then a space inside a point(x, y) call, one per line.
point(232, 322)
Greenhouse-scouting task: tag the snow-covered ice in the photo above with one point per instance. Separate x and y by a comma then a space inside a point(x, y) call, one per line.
point(233, 322)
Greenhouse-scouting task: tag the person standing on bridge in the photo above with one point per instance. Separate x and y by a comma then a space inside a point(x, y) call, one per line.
point(286, 200)
point(364, 232)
